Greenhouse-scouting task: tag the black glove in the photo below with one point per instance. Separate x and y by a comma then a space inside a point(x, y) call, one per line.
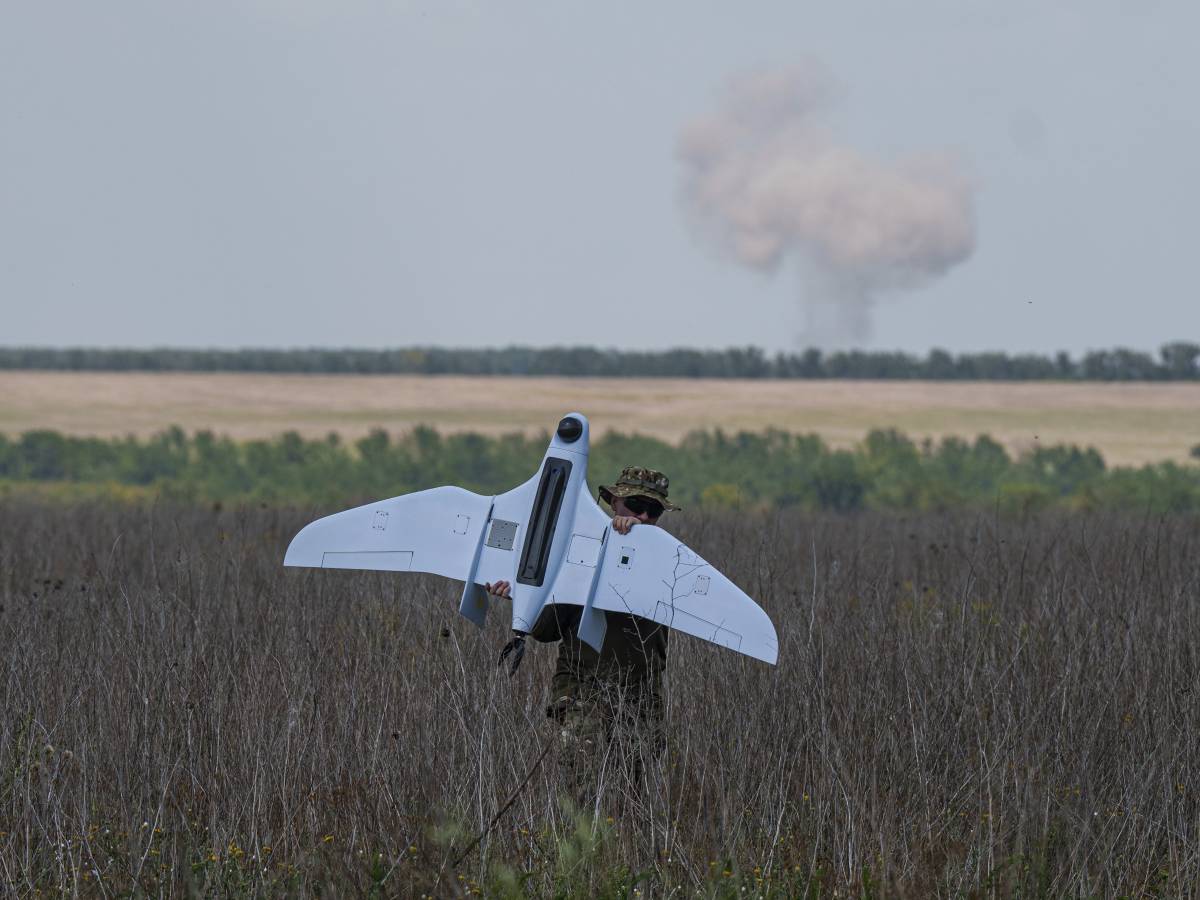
point(516, 647)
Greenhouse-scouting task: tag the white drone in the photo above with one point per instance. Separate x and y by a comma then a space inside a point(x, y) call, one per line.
point(551, 540)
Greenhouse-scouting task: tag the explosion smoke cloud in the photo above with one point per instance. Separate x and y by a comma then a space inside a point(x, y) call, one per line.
point(766, 179)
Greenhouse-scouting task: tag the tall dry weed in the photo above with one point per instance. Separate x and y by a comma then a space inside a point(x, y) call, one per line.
point(963, 706)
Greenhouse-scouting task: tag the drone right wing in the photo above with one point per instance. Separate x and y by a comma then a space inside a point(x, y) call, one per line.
point(436, 531)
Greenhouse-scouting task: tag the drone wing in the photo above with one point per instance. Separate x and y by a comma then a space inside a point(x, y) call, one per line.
point(651, 574)
point(435, 531)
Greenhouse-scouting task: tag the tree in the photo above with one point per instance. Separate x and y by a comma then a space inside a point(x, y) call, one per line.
point(1179, 360)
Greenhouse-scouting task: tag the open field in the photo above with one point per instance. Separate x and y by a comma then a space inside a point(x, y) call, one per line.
point(1130, 423)
point(964, 706)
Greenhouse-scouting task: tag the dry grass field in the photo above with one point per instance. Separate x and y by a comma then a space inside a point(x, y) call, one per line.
point(964, 707)
point(1129, 423)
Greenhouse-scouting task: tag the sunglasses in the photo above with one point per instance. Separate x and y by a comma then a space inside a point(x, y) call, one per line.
point(639, 505)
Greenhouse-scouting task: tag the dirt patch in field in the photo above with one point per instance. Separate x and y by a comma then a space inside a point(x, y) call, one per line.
point(1128, 423)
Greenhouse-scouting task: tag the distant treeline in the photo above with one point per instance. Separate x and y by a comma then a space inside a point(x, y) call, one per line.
point(772, 468)
point(1177, 361)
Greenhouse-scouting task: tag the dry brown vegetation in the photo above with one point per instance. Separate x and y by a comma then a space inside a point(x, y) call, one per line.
point(1130, 423)
point(963, 706)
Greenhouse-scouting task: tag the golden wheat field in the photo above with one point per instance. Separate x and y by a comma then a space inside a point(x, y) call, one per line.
point(1130, 423)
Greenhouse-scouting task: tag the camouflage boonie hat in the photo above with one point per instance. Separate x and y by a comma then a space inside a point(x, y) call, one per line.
point(636, 481)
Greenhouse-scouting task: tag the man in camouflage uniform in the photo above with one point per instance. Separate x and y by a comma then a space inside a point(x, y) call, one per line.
point(608, 704)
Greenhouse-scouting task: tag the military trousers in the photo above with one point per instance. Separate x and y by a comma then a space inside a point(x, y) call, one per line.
point(606, 741)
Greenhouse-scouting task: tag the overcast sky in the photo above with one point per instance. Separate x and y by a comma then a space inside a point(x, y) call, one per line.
point(292, 172)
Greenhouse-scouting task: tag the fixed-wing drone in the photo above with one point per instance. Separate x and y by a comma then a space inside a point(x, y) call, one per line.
point(551, 540)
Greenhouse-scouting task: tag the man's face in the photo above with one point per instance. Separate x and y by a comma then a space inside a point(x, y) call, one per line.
point(644, 509)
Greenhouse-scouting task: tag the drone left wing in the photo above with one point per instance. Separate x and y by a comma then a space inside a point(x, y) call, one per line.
point(436, 531)
point(651, 574)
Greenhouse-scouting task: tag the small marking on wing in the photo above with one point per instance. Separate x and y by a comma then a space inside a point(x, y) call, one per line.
point(372, 560)
point(686, 563)
point(584, 550)
point(502, 534)
point(719, 633)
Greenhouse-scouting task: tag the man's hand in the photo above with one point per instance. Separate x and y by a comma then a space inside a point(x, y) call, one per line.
point(500, 589)
point(622, 524)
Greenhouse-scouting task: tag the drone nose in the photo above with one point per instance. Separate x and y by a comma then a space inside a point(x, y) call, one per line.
point(569, 429)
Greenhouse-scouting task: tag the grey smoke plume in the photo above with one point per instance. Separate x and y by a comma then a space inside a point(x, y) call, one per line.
point(766, 180)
